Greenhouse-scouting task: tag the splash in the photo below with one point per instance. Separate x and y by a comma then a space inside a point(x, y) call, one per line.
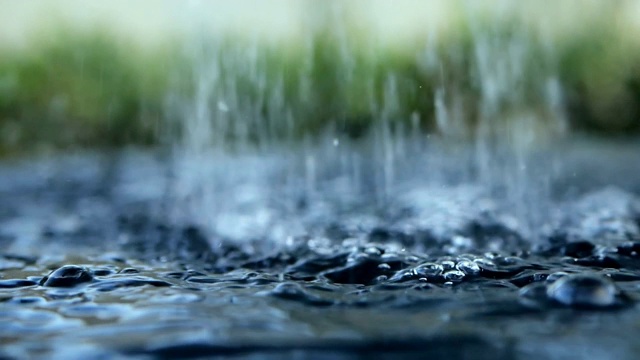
point(276, 139)
point(517, 110)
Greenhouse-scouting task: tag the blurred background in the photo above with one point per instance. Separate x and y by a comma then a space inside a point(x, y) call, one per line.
point(77, 74)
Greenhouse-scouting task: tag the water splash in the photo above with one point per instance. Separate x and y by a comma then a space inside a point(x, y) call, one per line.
point(498, 94)
point(518, 109)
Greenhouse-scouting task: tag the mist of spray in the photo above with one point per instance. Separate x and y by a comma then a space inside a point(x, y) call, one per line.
point(241, 164)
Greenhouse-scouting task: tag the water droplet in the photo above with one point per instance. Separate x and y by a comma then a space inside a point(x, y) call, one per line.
point(448, 264)
point(67, 276)
point(380, 279)
point(390, 257)
point(403, 275)
point(555, 276)
point(287, 290)
point(468, 267)
point(583, 291)
point(372, 250)
point(222, 106)
point(491, 255)
point(508, 260)
point(453, 276)
point(357, 257)
point(484, 262)
point(428, 269)
point(533, 295)
point(462, 242)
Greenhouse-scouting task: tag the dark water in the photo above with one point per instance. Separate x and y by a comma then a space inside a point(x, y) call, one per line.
point(96, 264)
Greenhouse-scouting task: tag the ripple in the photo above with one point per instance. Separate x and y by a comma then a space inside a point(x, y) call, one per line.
point(16, 283)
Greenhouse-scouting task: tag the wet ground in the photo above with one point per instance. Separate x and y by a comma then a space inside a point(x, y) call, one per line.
point(99, 258)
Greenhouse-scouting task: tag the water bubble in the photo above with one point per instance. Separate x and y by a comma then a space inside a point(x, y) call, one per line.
point(533, 295)
point(428, 269)
point(288, 290)
point(372, 250)
point(403, 275)
point(358, 257)
point(381, 279)
point(390, 257)
point(384, 266)
point(508, 260)
point(468, 267)
point(129, 271)
point(67, 276)
point(555, 276)
point(491, 255)
point(448, 264)
point(484, 262)
point(583, 291)
point(453, 276)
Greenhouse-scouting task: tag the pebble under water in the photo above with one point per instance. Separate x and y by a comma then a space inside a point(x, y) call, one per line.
point(91, 268)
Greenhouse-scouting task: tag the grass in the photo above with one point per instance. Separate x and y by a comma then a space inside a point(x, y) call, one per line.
point(94, 89)
point(70, 89)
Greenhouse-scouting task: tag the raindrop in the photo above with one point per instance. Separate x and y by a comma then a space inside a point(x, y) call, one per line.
point(222, 106)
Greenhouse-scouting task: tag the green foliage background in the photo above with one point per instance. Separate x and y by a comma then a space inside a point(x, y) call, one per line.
point(72, 88)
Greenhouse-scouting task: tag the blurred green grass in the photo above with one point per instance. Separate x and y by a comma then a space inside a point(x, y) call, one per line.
point(67, 88)
point(89, 89)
